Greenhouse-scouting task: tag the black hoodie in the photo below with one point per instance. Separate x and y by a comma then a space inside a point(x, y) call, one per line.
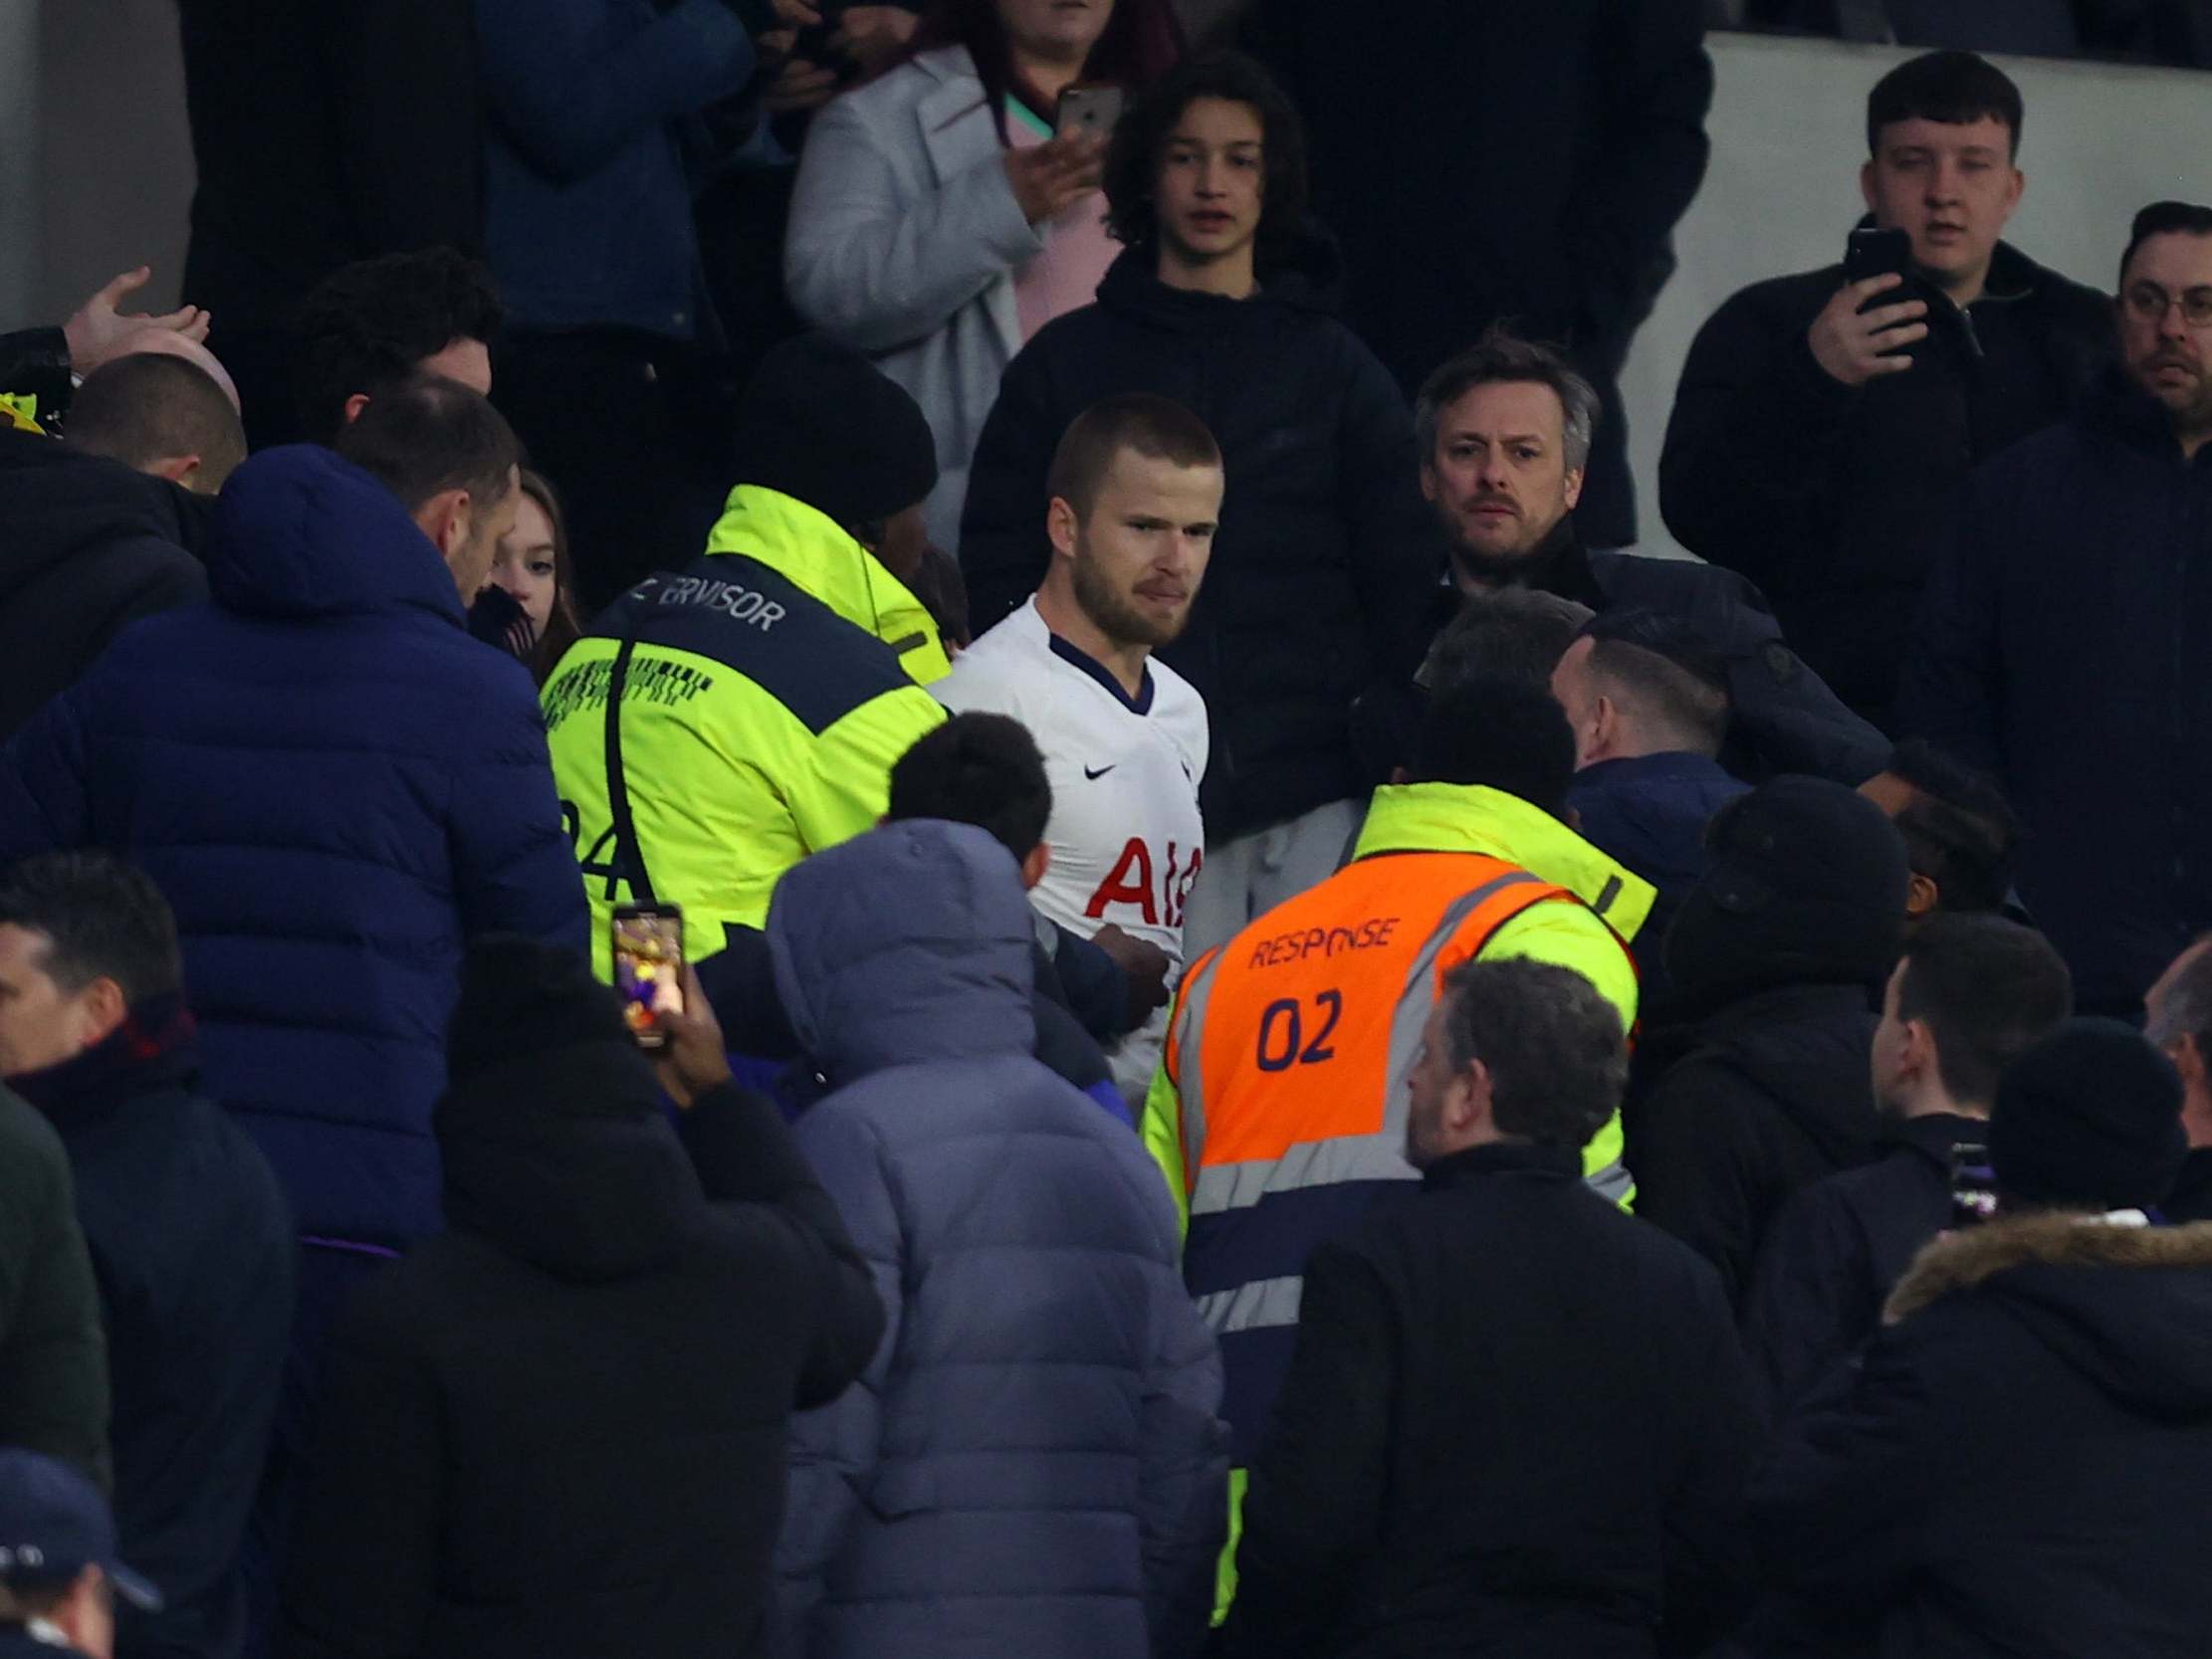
point(1772, 959)
point(2020, 1465)
point(1324, 562)
point(89, 547)
point(559, 1428)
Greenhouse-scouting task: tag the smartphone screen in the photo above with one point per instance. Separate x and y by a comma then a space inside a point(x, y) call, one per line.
point(1974, 1185)
point(1092, 110)
point(649, 968)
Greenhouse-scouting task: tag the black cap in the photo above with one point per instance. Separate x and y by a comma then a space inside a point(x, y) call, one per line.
point(53, 1524)
point(825, 426)
point(522, 997)
point(2089, 1118)
point(1804, 882)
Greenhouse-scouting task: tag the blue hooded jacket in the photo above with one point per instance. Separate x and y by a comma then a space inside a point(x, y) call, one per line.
point(336, 787)
point(1032, 1463)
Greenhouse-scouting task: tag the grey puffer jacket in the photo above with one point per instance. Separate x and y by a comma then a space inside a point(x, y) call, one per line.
point(1032, 1464)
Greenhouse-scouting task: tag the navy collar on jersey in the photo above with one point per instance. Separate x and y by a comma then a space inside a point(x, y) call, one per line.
point(1141, 704)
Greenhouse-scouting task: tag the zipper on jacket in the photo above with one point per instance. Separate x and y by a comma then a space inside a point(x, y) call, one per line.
point(1973, 338)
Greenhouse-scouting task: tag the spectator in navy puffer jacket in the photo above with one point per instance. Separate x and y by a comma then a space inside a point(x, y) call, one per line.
point(336, 787)
point(1032, 1464)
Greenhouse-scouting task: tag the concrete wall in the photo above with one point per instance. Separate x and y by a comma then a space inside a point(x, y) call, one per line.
point(1788, 129)
point(19, 158)
point(115, 171)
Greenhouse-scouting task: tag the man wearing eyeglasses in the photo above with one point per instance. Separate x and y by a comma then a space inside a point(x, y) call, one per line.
point(1825, 422)
point(2066, 642)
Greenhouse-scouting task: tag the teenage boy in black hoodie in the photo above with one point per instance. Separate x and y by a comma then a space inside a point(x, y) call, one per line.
point(1323, 566)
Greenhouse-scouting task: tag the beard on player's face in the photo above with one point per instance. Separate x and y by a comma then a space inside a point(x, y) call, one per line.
point(1114, 610)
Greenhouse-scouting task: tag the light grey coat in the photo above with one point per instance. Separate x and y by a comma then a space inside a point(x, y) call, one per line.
point(904, 238)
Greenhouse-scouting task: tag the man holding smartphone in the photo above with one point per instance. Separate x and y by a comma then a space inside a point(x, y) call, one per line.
point(1826, 421)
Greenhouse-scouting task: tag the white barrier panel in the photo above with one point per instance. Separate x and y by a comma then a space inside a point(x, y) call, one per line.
point(1787, 129)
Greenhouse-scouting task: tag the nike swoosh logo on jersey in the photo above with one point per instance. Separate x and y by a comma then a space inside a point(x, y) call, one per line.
point(1093, 777)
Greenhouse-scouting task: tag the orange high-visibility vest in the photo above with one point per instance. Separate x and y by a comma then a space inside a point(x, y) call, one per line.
point(1291, 1053)
point(1307, 1035)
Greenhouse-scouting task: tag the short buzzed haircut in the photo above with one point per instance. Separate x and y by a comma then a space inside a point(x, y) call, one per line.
point(1662, 669)
point(1554, 1048)
point(1157, 427)
point(1955, 87)
point(1989, 989)
point(432, 436)
point(1516, 633)
point(982, 769)
point(150, 406)
point(1502, 357)
point(105, 918)
point(1500, 735)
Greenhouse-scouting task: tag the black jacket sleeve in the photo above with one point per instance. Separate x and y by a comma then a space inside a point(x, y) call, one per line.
point(1953, 673)
point(1314, 1506)
point(1740, 473)
point(1396, 557)
point(1786, 718)
point(749, 1165)
point(1004, 552)
point(1839, 1506)
point(1695, 1173)
point(1706, 1556)
point(1802, 1313)
point(1092, 985)
point(372, 1492)
point(740, 982)
point(1646, 170)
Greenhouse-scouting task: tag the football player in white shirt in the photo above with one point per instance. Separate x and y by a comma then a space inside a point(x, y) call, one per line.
point(1136, 491)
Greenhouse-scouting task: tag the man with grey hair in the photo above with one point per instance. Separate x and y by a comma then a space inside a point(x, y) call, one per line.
point(1504, 431)
point(1458, 1387)
point(2180, 1023)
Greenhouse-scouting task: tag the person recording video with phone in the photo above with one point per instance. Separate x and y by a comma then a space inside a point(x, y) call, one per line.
point(1825, 421)
point(946, 212)
point(679, 1290)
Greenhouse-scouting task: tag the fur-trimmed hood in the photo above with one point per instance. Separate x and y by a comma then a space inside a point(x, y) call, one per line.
point(2128, 1307)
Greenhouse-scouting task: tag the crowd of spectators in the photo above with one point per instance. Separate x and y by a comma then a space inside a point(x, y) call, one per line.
point(1281, 1046)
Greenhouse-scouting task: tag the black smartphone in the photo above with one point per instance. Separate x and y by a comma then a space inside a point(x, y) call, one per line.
point(649, 968)
point(1873, 253)
point(1973, 1184)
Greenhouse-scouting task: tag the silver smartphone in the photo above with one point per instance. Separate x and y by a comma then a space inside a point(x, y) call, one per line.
point(1090, 111)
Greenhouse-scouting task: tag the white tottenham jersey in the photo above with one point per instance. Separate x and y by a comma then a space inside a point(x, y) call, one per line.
point(1126, 837)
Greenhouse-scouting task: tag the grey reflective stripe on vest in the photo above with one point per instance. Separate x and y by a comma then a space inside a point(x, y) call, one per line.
point(1613, 1183)
point(1419, 997)
point(1262, 1303)
point(1190, 1089)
